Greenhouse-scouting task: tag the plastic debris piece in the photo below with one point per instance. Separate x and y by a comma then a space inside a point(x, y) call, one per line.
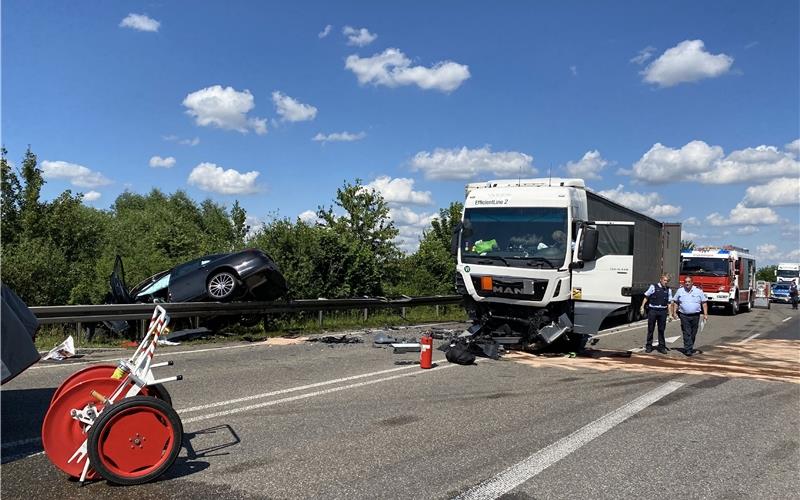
point(62, 351)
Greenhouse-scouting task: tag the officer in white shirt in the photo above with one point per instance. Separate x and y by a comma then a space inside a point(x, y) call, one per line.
point(690, 301)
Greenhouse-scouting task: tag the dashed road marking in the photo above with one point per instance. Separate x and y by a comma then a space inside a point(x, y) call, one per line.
point(784, 320)
point(751, 337)
point(523, 471)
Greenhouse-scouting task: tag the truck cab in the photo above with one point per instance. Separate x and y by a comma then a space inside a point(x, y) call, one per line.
point(538, 259)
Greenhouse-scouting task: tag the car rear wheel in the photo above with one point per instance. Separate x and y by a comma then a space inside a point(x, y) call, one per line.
point(221, 285)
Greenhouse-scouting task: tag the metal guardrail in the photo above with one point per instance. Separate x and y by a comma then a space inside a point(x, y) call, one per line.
point(108, 312)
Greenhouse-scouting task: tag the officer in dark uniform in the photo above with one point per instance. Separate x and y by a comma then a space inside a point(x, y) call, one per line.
point(658, 297)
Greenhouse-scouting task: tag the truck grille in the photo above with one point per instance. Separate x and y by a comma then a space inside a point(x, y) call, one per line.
point(512, 288)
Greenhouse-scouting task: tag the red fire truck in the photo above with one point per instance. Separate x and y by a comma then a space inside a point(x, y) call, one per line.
point(727, 275)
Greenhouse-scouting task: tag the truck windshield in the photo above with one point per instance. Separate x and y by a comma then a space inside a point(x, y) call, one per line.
point(787, 273)
point(515, 237)
point(704, 266)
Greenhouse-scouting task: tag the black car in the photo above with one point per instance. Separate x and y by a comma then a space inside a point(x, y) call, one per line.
point(246, 275)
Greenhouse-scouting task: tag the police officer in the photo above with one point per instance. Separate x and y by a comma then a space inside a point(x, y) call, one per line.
point(658, 297)
point(689, 301)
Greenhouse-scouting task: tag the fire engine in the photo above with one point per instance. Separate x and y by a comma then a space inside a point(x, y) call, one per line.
point(727, 275)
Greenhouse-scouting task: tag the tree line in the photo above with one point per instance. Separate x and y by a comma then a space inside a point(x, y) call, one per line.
point(62, 251)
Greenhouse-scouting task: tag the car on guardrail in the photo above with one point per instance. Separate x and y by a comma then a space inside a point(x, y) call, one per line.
point(247, 275)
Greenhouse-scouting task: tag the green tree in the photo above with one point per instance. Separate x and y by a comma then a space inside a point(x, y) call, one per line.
point(239, 220)
point(30, 207)
point(766, 273)
point(361, 217)
point(10, 201)
point(687, 245)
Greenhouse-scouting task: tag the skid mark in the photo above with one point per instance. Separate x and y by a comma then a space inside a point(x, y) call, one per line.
point(763, 359)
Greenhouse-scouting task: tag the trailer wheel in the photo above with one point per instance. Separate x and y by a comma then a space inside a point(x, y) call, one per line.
point(733, 308)
point(135, 440)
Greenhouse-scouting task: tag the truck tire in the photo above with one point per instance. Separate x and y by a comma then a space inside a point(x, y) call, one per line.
point(576, 342)
point(733, 308)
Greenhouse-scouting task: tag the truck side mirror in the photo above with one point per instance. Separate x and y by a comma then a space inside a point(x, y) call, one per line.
point(454, 239)
point(588, 249)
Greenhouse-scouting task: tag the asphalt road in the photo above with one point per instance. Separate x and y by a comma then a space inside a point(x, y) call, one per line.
point(344, 421)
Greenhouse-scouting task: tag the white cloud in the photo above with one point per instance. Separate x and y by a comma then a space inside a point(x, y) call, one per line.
point(744, 216)
point(747, 230)
point(78, 175)
point(292, 110)
point(185, 142)
point(325, 32)
point(410, 225)
point(359, 37)
point(647, 203)
point(688, 235)
point(225, 108)
point(91, 196)
point(777, 192)
point(574, 70)
point(643, 55)
point(140, 22)
point(663, 164)
point(157, 161)
point(339, 137)
point(691, 221)
point(399, 190)
point(462, 164)
point(588, 167)
point(393, 69)
point(697, 161)
point(793, 147)
point(686, 62)
point(309, 217)
point(768, 251)
point(210, 177)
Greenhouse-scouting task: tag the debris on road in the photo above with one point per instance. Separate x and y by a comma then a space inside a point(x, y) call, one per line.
point(405, 347)
point(337, 339)
point(62, 351)
point(189, 333)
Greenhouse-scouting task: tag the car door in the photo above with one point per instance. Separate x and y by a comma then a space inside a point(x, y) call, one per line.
point(190, 284)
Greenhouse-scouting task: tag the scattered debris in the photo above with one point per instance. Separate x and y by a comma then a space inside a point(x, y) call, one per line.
point(62, 351)
point(167, 342)
point(337, 339)
point(188, 334)
point(402, 348)
point(406, 362)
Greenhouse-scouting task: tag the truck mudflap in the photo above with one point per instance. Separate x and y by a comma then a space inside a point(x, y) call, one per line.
point(555, 330)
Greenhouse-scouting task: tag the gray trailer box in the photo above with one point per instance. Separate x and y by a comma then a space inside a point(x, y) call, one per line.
point(656, 245)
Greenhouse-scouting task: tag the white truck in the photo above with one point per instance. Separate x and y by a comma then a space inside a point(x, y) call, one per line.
point(788, 272)
point(543, 259)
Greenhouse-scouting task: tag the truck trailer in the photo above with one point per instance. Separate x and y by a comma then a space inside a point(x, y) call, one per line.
point(727, 275)
point(546, 259)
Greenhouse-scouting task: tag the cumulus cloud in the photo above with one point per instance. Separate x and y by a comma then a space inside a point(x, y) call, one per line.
point(225, 108)
point(309, 217)
point(215, 179)
point(410, 226)
point(686, 62)
point(698, 161)
point(291, 110)
point(464, 163)
point(647, 203)
point(159, 162)
point(393, 69)
point(793, 147)
point(777, 192)
point(768, 251)
point(643, 55)
point(359, 37)
point(338, 137)
point(399, 190)
point(185, 142)
point(747, 230)
point(78, 175)
point(325, 32)
point(744, 216)
point(588, 167)
point(140, 22)
point(91, 196)
point(691, 221)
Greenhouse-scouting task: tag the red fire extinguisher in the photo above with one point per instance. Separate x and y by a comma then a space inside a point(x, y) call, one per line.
point(426, 352)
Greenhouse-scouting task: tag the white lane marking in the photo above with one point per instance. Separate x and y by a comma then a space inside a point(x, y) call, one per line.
point(313, 394)
point(21, 442)
point(784, 320)
point(633, 326)
point(292, 389)
point(751, 337)
point(12, 458)
point(161, 354)
point(523, 471)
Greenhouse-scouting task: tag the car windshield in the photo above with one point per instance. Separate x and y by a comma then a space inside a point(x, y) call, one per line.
point(704, 265)
point(516, 237)
point(160, 284)
point(787, 273)
point(780, 288)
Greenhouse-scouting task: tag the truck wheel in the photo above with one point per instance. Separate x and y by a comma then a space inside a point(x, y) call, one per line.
point(576, 342)
point(733, 308)
point(221, 285)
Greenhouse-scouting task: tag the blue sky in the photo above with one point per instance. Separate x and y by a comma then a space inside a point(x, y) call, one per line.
point(688, 111)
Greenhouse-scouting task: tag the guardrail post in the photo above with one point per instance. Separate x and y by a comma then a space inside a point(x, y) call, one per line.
point(437, 310)
point(365, 313)
point(403, 312)
point(320, 319)
point(78, 334)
